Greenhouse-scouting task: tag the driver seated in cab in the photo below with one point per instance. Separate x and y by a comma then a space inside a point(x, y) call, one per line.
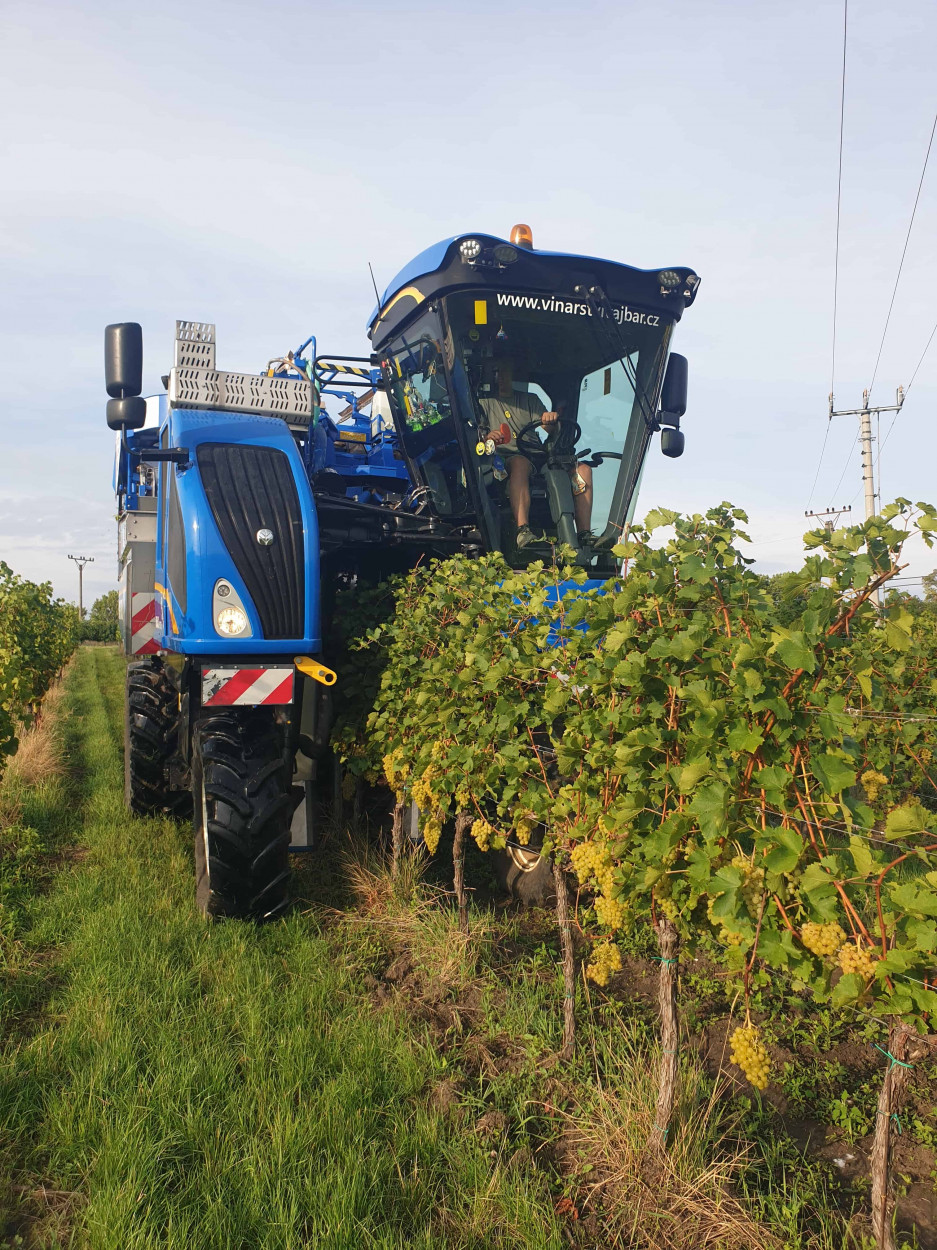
point(508, 412)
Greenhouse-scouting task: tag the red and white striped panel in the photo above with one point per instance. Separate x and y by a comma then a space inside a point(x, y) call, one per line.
point(246, 687)
point(143, 623)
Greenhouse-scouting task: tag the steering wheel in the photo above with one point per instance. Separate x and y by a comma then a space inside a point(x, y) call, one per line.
point(529, 444)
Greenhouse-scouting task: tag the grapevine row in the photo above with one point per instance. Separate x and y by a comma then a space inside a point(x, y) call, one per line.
point(37, 635)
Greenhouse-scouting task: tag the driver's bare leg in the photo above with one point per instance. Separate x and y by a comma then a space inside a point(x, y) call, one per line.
point(582, 503)
point(519, 488)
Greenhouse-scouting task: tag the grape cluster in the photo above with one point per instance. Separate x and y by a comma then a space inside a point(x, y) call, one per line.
point(422, 789)
point(482, 832)
point(590, 860)
point(667, 907)
point(822, 939)
point(749, 1052)
point(610, 912)
point(524, 825)
point(605, 962)
point(873, 783)
point(753, 884)
point(431, 829)
point(728, 938)
point(856, 958)
point(348, 786)
point(394, 767)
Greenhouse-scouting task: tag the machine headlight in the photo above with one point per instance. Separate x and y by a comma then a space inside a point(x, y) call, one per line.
point(231, 622)
point(668, 278)
point(505, 254)
point(228, 612)
point(469, 249)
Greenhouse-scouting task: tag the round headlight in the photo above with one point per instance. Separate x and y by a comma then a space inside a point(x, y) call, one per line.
point(505, 254)
point(231, 621)
point(668, 278)
point(469, 249)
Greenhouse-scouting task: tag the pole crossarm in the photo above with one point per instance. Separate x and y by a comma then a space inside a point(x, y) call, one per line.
point(81, 561)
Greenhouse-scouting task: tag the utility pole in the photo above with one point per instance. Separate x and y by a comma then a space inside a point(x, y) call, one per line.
point(833, 513)
point(865, 440)
point(81, 561)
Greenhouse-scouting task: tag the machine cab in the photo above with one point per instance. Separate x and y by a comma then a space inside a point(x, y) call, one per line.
point(526, 386)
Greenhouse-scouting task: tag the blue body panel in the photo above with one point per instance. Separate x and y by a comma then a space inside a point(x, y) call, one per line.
point(189, 630)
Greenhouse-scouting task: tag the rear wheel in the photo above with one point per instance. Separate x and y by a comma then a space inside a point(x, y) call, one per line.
point(528, 876)
point(151, 725)
point(241, 796)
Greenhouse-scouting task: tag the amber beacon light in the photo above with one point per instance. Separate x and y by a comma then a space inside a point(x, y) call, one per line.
point(522, 236)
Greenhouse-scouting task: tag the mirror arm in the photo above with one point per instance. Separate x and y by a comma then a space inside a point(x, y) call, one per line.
point(175, 455)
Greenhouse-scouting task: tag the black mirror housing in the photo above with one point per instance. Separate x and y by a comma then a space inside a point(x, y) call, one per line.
point(674, 391)
point(672, 442)
point(123, 360)
point(128, 413)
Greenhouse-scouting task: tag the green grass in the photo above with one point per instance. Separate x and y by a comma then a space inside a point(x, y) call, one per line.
point(215, 1086)
point(168, 1083)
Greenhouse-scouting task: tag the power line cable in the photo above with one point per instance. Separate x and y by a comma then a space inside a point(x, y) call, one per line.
point(839, 204)
point(904, 251)
point(921, 361)
point(852, 447)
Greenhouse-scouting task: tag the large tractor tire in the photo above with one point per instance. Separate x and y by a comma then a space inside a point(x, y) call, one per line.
point(151, 724)
point(526, 875)
point(242, 806)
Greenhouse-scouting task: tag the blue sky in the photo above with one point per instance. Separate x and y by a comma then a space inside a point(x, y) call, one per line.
point(241, 163)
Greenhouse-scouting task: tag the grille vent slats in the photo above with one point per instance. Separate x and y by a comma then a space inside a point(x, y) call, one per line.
point(250, 488)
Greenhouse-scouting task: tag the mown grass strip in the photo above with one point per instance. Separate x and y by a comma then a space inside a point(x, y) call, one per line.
point(222, 1086)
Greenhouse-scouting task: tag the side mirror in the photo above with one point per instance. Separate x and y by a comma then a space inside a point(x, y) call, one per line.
point(673, 392)
point(672, 442)
point(123, 374)
point(126, 414)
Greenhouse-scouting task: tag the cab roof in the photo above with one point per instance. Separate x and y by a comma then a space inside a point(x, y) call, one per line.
point(532, 269)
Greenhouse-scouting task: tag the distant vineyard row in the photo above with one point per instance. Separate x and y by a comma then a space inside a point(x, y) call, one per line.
point(37, 635)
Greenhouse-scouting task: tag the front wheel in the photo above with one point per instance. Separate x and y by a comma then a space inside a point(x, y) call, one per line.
point(241, 797)
point(151, 722)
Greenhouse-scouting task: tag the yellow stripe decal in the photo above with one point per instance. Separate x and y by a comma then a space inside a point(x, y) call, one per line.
point(413, 292)
point(161, 590)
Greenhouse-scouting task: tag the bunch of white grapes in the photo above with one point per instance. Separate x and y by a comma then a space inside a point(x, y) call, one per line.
point(395, 769)
point(822, 939)
point(605, 962)
point(749, 1052)
point(482, 832)
point(856, 958)
point(753, 884)
point(422, 789)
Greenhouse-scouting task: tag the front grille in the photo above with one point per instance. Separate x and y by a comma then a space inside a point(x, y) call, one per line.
point(251, 488)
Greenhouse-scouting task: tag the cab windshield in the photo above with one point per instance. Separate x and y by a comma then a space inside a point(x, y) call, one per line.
point(528, 357)
point(555, 403)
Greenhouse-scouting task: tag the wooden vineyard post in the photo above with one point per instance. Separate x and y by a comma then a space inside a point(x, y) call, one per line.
point(569, 961)
point(358, 806)
point(462, 823)
point(889, 1099)
point(337, 805)
point(397, 839)
point(669, 941)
